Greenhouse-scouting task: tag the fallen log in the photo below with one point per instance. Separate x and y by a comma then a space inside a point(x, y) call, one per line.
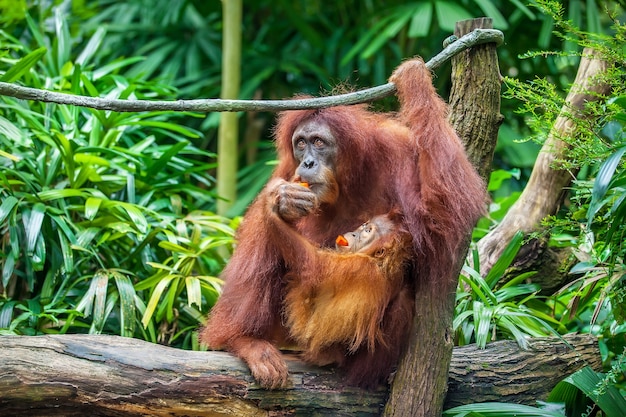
point(77, 375)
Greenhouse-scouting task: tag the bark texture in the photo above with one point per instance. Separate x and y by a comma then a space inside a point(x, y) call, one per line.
point(475, 98)
point(78, 375)
point(547, 185)
point(419, 386)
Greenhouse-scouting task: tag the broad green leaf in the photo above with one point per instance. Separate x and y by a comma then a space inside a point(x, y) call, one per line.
point(399, 21)
point(136, 216)
point(127, 303)
point(23, 65)
point(7, 155)
point(6, 314)
point(33, 226)
point(100, 282)
point(155, 297)
point(601, 183)
point(7, 206)
point(421, 21)
point(62, 223)
point(611, 402)
point(173, 247)
point(63, 40)
point(86, 159)
point(618, 212)
point(479, 286)
point(498, 176)
point(66, 252)
point(38, 258)
point(488, 409)
point(92, 205)
point(92, 47)
point(194, 293)
point(167, 126)
point(158, 165)
point(49, 195)
point(114, 66)
point(10, 130)
point(492, 11)
point(507, 256)
point(448, 13)
point(8, 267)
point(514, 330)
point(483, 316)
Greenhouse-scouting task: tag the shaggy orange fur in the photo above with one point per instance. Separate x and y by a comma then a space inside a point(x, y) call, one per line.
point(413, 161)
point(336, 300)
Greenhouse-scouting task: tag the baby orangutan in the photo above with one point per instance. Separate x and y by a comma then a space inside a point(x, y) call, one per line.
point(336, 300)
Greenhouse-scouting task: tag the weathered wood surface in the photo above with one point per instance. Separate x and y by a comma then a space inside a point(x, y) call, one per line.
point(547, 186)
point(77, 375)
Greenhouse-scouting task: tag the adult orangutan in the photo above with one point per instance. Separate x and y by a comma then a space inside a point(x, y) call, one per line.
point(358, 164)
point(337, 298)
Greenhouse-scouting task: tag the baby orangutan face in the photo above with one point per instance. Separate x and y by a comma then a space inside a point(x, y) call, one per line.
point(365, 236)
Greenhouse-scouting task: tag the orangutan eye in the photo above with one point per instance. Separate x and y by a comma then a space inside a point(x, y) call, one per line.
point(318, 143)
point(300, 144)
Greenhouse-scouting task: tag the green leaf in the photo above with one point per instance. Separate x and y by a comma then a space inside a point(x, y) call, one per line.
point(114, 66)
point(127, 303)
point(100, 284)
point(8, 268)
point(601, 183)
point(194, 291)
point(23, 65)
point(92, 46)
point(508, 255)
point(611, 402)
point(66, 252)
point(482, 322)
point(491, 11)
point(421, 21)
point(7, 206)
point(33, 226)
point(92, 205)
point(49, 195)
point(63, 40)
point(488, 409)
point(6, 314)
point(593, 17)
point(449, 13)
point(498, 176)
point(86, 159)
point(155, 297)
point(389, 31)
point(157, 166)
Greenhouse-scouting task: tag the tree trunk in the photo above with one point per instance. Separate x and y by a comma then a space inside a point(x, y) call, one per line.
point(547, 185)
point(475, 98)
point(78, 375)
point(419, 386)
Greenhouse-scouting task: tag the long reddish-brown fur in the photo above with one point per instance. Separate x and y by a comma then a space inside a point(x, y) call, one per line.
point(337, 300)
point(412, 160)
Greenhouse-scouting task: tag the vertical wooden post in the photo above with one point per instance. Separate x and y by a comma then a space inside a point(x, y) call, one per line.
point(420, 384)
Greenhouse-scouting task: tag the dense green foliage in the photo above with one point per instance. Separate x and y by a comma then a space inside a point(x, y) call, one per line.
point(103, 214)
point(107, 219)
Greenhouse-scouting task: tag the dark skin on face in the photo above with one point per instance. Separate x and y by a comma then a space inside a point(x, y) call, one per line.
point(315, 149)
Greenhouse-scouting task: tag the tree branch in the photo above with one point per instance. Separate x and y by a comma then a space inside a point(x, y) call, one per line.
point(477, 37)
point(77, 375)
